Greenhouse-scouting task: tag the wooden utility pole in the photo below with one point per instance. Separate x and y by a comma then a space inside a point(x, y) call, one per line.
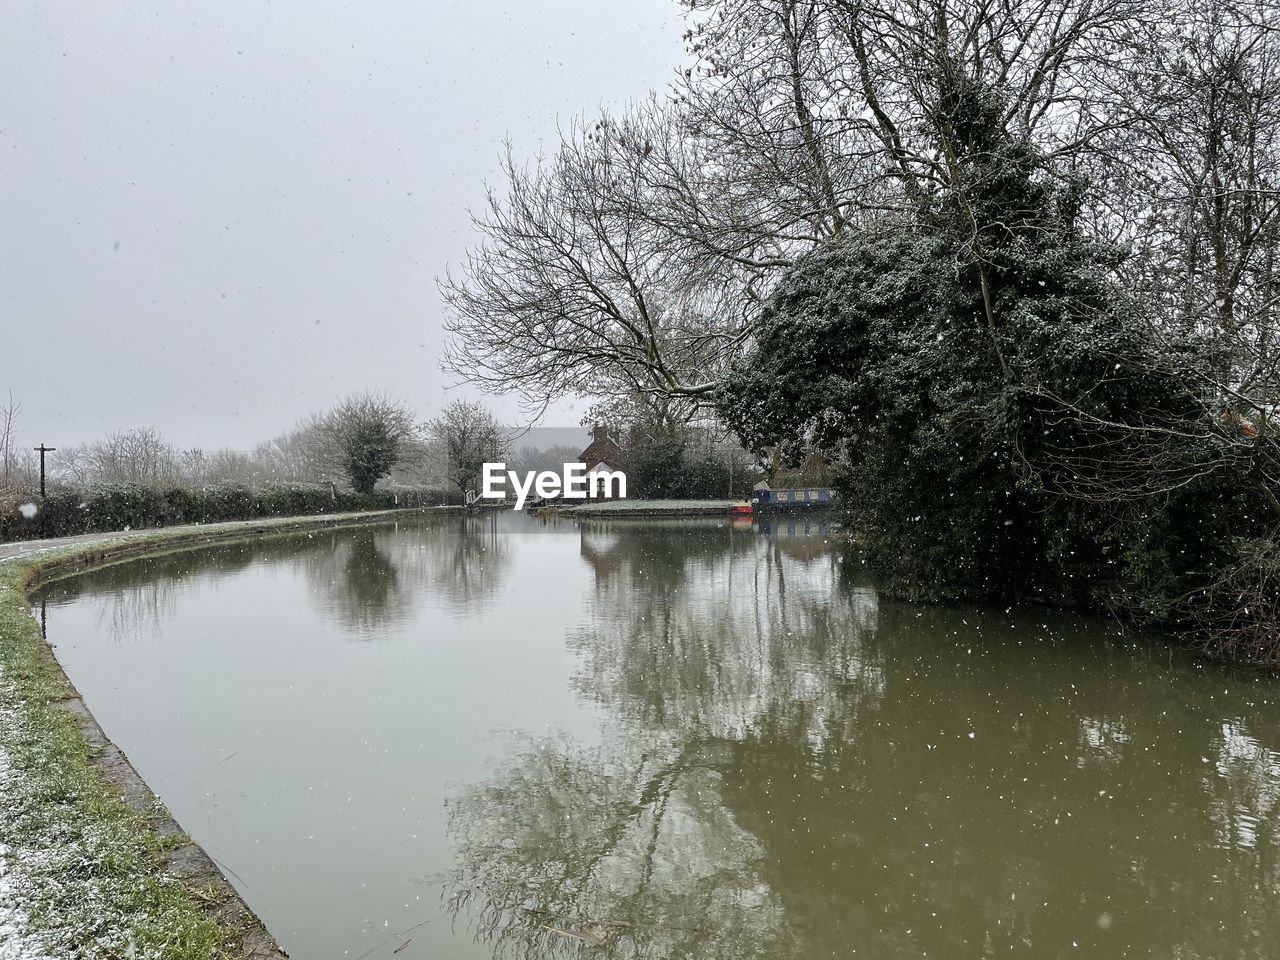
point(42, 449)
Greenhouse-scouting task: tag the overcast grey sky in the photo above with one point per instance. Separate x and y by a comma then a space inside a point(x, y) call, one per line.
point(219, 216)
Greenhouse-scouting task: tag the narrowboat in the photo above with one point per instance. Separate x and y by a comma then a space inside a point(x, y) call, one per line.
point(766, 498)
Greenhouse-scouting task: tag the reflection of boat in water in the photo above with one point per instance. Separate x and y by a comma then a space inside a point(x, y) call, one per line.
point(793, 528)
point(766, 499)
point(804, 538)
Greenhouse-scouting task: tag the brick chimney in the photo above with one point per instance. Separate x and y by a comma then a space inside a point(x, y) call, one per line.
point(600, 432)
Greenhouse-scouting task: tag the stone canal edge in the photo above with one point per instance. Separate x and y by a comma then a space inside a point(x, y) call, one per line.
point(39, 562)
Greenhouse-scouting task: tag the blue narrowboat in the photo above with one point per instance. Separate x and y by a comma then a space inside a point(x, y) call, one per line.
point(765, 497)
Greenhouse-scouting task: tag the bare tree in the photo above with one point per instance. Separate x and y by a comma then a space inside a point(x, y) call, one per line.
point(466, 436)
point(1197, 175)
point(577, 289)
point(139, 456)
point(8, 416)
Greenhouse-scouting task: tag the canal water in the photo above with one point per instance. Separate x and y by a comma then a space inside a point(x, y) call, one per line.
point(504, 736)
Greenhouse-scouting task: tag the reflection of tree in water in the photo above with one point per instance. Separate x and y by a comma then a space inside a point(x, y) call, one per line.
point(356, 578)
point(794, 771)
point(354, 574)
point(365, 577)
point(370, 578)
point(464, 561)
point(623, 851)
point(632, 843)
point(1244, 784)
point(135, 598)
point(683, 634)
point(657, 554)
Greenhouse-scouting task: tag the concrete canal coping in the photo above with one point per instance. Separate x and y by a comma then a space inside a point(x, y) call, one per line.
point(95, 799)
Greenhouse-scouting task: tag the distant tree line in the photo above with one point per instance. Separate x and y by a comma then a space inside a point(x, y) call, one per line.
point(1012, 269)
point(367, 451)
point(363, 441)
point(66, 512)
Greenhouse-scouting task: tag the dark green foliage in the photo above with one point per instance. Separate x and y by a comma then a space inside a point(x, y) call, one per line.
point(369, 452)
point(869, 352)
point(1005, 424)
point(665, 466)
point(66, 513)
point(364, 436)
point(656, 471)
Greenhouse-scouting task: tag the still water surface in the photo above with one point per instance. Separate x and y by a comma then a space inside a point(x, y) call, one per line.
point(507, 736)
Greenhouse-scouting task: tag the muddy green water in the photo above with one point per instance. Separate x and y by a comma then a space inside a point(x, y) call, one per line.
point(503, 736)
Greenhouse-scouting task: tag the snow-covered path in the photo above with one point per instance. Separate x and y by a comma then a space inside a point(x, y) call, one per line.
point(25, 548)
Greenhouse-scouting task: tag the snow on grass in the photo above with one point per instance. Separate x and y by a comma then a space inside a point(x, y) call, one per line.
point(16, 942)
